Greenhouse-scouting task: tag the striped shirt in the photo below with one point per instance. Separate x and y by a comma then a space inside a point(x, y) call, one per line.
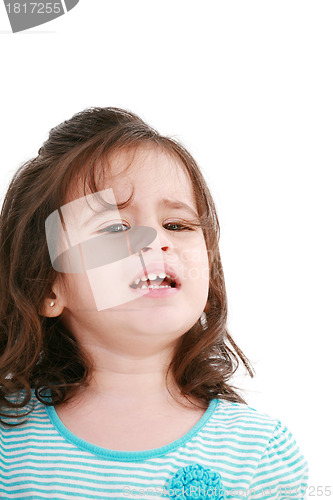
point(243, 451)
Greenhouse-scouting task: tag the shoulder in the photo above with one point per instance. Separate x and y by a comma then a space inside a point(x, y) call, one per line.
point(20, 415)
point(280, 462)
point(239, 416)
point(244, 426)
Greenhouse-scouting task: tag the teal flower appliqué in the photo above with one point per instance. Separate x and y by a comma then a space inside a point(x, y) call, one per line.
point(195, 482)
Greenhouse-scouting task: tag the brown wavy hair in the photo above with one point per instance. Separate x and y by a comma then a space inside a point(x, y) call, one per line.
point(40, 353)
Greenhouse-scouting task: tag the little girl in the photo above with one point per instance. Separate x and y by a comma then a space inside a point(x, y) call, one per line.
point(114, 352)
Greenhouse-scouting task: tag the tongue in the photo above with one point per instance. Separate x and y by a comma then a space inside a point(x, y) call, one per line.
point(158, 281)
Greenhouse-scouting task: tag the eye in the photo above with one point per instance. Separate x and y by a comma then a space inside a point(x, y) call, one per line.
point(181, 226)
point(117, 227)
point(113, 228)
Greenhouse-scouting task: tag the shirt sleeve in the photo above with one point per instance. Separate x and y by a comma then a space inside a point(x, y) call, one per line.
point(282, 471)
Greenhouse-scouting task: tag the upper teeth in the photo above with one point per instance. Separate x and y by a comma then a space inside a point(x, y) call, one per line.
point(151, 277)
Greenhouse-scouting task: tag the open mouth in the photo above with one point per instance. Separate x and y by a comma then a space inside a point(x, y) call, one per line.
point(160, 280)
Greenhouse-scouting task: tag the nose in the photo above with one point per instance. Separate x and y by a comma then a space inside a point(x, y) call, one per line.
point(161, 242)
point(164, 248)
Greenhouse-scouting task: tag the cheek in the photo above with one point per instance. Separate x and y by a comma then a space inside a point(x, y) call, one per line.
point(78, 292)
point(196, 266)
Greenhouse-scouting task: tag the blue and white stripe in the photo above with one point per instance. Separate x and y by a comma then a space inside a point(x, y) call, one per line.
point(256, 456)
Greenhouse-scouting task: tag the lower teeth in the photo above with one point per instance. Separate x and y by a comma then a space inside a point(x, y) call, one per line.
point(156, 286)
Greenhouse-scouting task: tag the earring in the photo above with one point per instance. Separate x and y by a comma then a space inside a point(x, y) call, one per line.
point(52, 304)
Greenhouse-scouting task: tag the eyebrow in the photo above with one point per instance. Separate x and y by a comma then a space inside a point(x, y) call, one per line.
point(175, 204)
point(178, 205)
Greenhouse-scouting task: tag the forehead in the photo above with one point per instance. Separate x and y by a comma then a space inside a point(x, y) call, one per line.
point(150, 171)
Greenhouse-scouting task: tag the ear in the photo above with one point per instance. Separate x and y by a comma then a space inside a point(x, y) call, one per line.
point(53, 305)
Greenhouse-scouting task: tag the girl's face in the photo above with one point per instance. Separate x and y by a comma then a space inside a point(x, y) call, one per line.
point(101, 304)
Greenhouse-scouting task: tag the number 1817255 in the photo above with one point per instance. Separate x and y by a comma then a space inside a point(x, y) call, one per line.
point(34, 8)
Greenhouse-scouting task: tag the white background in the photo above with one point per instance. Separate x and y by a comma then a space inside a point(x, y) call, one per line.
point(247, 87)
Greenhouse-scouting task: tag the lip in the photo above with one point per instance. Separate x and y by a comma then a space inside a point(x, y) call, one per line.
point(156, 268)
point(155, 293)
